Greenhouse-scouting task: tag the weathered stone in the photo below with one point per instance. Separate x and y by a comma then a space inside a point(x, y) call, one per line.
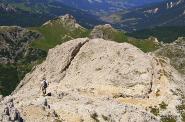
point(102, 31)
point(53, 113)
point(6, 111)
point(175, 52)
point(6, 118)
point(13, 114)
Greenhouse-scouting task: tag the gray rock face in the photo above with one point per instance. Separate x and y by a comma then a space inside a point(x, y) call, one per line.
point(13, 41)
point(99, 80)
point(67, 20)
point(10, 113)
point(102, 31)
point(176, 53)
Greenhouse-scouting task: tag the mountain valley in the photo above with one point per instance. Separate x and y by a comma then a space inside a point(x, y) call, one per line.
point(34, 13)
point(167, 13)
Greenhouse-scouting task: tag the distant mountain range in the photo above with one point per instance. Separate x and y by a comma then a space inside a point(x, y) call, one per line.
point(166, 13)
point(127, 15)
point(35, 12)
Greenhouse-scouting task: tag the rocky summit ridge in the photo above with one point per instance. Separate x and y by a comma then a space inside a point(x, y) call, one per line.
point(102, 31)
point(67, 20)
point(99, 80)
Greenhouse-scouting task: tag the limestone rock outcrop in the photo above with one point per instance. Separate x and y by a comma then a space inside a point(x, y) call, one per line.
point(103, 31)
point(175, 52)
point(100, 80)
point(66, 20)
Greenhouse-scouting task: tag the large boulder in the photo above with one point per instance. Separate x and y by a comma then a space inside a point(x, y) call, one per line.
point(100, 80)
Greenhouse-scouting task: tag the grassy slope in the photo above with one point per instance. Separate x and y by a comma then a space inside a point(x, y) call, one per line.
point(146, 45)
point(56, 34)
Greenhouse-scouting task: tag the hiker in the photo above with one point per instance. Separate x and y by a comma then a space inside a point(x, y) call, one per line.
point(44, 85)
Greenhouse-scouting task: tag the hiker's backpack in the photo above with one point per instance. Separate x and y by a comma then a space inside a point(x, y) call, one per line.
point(45, 85)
